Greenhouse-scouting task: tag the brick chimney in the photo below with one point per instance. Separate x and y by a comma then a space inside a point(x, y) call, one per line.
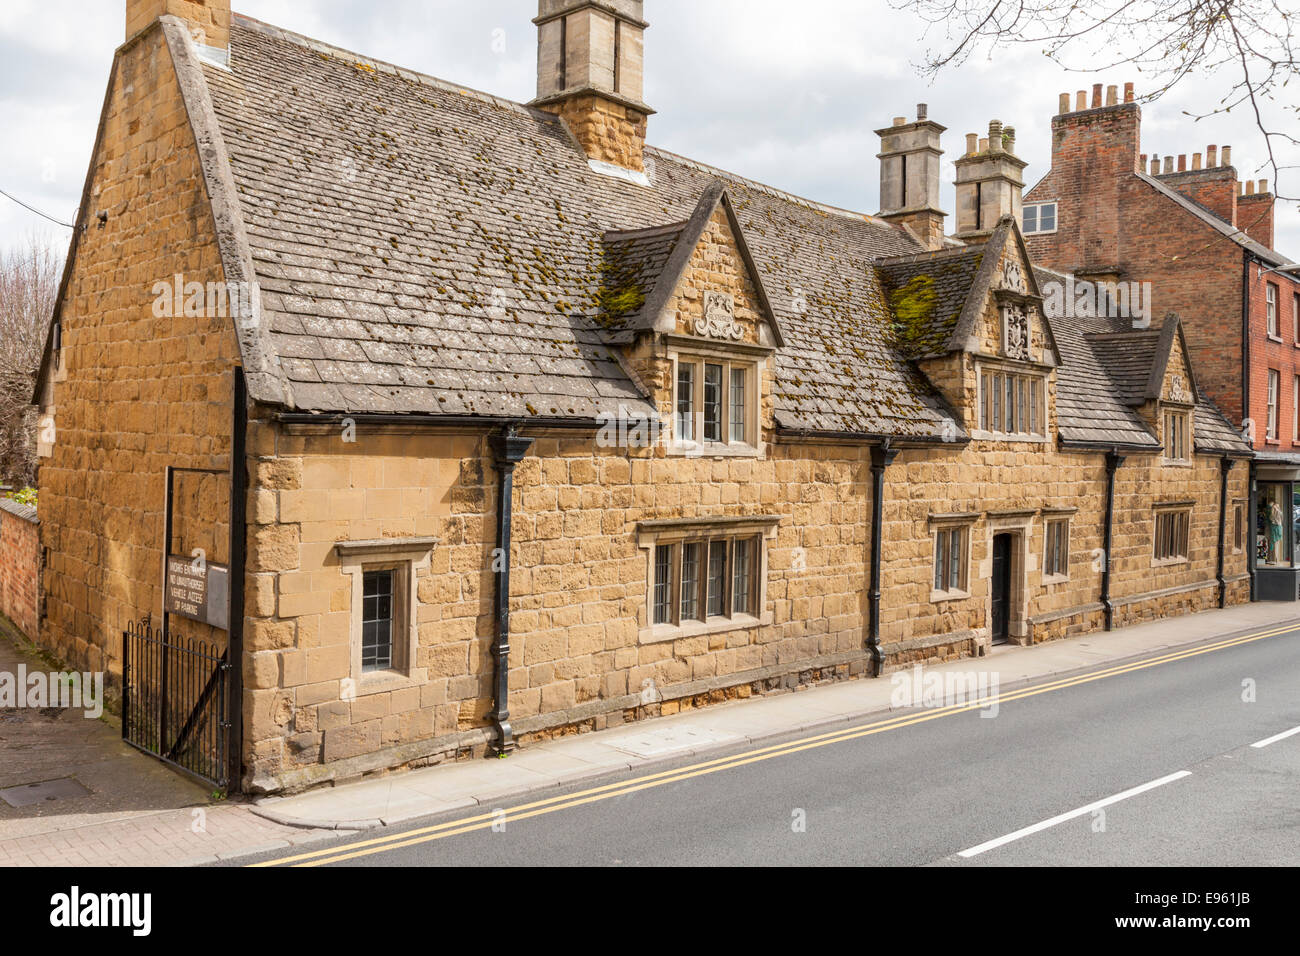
point(989, 182)
point(909, 177)
point(1255, 213)
point(1095, 153)
point(589, 73)
point(208, 20)
point(1214, 186)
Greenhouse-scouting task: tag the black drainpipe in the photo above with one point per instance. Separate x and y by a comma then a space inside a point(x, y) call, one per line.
point(1113, 460)
point(881, 457)
point(1252, 507)
point(1225, 466)
point(508, 450)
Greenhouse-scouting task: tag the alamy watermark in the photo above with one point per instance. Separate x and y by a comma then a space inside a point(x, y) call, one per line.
point(1081, 298)
point(918, 688)
point(37, 690)
point(175, 297)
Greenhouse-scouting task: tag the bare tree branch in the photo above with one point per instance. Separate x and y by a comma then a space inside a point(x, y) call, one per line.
point(29, 284)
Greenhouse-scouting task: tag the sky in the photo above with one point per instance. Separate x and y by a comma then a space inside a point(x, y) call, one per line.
point(785, 93)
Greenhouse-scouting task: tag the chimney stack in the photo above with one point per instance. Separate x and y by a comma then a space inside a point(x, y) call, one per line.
point(208, 20)
point(989, 184)
point(909, 176)
point(590, 69)
point(1255, 212)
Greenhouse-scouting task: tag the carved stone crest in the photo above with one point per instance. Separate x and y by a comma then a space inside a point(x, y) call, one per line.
point(1178, 391)
point(719, 319)
point(1013, 278)
point(1015, 331)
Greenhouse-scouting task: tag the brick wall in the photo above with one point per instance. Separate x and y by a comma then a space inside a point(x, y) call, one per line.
point(1111, 223)
point(20, 562)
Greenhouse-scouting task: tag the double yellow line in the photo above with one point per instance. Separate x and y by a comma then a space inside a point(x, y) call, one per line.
point(484, 821)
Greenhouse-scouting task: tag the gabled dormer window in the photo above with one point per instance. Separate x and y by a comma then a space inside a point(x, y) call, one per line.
point(1011, 403)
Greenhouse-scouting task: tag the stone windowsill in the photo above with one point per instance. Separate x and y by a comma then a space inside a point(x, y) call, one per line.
point(690, 449)
point(383, 682)
point(938, 597)
point(659, 633)
point(1168, 562)
point(1176, 462)
point(1052, 579)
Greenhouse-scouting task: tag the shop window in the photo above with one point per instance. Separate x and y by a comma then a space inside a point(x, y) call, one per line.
point(1272, 525)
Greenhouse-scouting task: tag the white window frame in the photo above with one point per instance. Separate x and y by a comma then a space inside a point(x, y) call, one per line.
point(407, 558)
point(1271, 311)
point(695, 443)
point(1038, 218)
point(1295, 408)
point(675, 534)
point(1274, 387)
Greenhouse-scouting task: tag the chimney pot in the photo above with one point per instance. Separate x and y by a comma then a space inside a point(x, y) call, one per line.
point(900, 120)
point(1096, 95)
point(1009, 138)
point(1211, 157)
point(1250, 187)
point(922, 110)
point(1263, 185)
point(984, 145)
point(1155, 165)
point(1241, 189)
point(972, 143)
point(1226, 156)
point(1081, 100)
point(995, 136)
point(1169, 164)
point(1196, 160)
point(1112, 95)
point(1182, 162)
point(1128, 92)
point(1063, 104)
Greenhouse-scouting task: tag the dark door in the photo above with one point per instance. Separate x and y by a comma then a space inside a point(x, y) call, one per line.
point(1001, 587)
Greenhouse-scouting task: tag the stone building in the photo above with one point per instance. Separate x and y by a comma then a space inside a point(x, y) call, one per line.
point(543, 428)
point(1109, 211)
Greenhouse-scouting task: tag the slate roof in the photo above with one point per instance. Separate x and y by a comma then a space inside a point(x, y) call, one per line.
point(425, 248)
point(928, 291)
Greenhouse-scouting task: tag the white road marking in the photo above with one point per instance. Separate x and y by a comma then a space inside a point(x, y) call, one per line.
point(1276, 737)
point(1046, 824)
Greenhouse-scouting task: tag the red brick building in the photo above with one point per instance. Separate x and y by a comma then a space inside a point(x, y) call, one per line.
point(1197, 242)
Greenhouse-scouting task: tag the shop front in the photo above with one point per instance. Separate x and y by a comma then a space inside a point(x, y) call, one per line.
point(1276, 504)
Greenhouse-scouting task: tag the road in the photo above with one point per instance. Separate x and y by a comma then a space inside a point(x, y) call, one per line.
point(1146, 763)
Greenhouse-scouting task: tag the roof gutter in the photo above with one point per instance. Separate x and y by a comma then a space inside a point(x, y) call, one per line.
point(386, 419)
point(870, 438)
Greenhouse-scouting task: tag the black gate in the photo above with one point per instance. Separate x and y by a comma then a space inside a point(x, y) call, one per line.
point(174, 701)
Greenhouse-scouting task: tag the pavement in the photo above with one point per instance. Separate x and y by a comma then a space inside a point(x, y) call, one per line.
point(136, 811)
point(108, 804)
point(399, 799)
